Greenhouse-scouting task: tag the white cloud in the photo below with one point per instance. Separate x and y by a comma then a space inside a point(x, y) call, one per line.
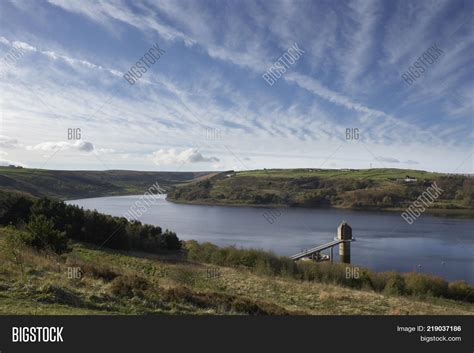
point(341, 46)
point(7, 142)
point(6, 163)
point(387, 159)
point(4, 40)
point(105, 150)
point(74, 62)
point(82, 146)
point(172, 156)
point(103, 12)
point(24, 46)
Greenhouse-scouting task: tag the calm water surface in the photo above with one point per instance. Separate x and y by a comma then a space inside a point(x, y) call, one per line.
point(384, 241)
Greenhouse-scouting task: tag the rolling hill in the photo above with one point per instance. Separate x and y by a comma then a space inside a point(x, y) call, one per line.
point(66, 184)
point(389, 189)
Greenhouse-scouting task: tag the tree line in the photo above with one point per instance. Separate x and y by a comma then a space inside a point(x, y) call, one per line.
point(458, 192)
point(269, 264)
point(48, 223)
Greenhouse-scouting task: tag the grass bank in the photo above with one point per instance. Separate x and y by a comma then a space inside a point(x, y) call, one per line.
point(133, 283)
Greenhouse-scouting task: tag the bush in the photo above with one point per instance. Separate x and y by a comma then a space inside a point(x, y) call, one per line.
point(420, 284)
point(378, 280)
point(460, 290)
point(14, 209)
point(395, 284)
point(170, 241)
point(222, 302)
point(43, 236)
point(266, 263)
point(13, 247)
point(262, 262)
point(51, 293)
point(184, 276)
point(100, 272)
point(128, 286)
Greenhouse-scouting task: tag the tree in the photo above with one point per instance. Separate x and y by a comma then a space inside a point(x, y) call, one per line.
point(387, 201)
point(52, 223)
point(14, 246)
point(14, 209)
point(170, 240)
point(42, 235)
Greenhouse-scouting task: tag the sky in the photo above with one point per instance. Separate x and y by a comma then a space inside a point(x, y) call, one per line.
point(355, 84)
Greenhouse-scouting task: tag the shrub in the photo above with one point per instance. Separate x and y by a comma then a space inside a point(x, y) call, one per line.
point(97, 271)
point(222, 302)
point(128, 286)
point(13, 247)
point(266, 263)
point(170, 241)
point(395, 284)
point(14, 209)
point(260, 261)
point(184, 276)
point(460, 290)
point(420, 284)
point(51, 293)
point(42, 235)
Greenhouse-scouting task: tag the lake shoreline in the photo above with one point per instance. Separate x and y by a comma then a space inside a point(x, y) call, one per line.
point(294, 229)
point(438, 212)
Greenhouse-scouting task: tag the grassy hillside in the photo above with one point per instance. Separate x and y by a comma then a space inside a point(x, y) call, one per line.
point(114, 282)
point(65, 184)
point(358, 189)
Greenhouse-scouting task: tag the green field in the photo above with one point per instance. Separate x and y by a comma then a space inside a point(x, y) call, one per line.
point(378, 174)
point(380, 189)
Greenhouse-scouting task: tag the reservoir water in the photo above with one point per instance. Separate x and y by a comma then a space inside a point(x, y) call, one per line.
point(384, 241)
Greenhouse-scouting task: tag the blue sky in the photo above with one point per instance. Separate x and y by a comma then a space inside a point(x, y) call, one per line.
point(204, 104)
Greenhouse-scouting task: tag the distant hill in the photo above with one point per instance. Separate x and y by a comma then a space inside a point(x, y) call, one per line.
point(392, 189)
point(66, 184)
point(389, 189)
